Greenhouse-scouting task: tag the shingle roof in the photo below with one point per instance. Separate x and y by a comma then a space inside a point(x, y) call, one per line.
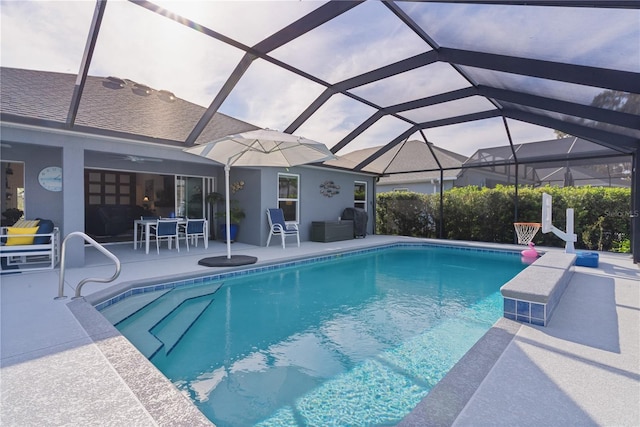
point(411, 156)
point(111, 104)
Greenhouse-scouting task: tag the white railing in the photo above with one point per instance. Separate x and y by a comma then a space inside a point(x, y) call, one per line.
point(96, 245)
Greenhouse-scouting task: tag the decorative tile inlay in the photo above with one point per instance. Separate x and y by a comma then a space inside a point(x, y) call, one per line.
point(526, 311)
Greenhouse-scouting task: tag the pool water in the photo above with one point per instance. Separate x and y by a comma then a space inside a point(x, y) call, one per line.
point(355, 341)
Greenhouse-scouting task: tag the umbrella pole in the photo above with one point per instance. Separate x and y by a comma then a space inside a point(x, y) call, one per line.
point(227, 210)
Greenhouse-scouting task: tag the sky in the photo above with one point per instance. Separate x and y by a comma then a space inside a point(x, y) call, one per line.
point(136, 44)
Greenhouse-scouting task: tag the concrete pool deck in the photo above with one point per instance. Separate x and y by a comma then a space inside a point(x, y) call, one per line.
point(582, 369)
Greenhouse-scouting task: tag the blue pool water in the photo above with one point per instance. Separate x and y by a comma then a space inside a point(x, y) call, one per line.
point(355, 341)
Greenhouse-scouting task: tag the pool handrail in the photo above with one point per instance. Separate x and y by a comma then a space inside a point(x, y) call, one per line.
point(96, 245)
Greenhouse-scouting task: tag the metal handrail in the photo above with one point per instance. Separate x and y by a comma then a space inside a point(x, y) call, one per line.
point(96, 245)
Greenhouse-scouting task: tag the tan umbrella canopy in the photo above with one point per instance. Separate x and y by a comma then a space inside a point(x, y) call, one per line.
point(262, 147)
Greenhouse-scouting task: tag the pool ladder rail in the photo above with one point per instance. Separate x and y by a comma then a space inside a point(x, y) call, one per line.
point(96, 245)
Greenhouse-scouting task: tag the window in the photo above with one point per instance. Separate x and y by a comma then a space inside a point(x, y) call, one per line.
point(289, 196)
point(109, 187)
point(360, 195)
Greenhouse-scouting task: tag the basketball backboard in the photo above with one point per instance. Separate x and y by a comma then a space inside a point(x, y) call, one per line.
point(547, 224)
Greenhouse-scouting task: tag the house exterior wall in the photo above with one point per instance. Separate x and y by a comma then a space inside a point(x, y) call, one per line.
point(314, 206)
point(74, 152)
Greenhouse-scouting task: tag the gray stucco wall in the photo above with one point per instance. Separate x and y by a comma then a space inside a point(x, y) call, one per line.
point(39, 203)
point(260, 192)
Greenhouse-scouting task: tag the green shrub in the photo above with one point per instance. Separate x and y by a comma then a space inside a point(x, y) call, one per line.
point(601, 215)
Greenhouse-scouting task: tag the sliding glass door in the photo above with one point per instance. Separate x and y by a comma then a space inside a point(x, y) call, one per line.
point(191, 194)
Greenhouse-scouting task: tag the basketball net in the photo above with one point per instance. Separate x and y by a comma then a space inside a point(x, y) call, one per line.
point(526, 231)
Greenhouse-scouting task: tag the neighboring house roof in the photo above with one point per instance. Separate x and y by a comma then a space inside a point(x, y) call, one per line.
point(409, 162)
point(580, 176)
point(580, 156)
point(562, 149)
point(113, 106)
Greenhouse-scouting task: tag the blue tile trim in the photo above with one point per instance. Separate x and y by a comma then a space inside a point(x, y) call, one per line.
point(297, 263)
point(537, 311)
point(509, 306)
point(510, 316)
point(537, 322)
point(526, 311)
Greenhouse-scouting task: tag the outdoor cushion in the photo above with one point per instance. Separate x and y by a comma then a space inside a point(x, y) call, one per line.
point(46, 227)
point(26, 223)
point(19, 231)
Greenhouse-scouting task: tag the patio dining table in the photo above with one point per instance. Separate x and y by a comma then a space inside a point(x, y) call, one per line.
point(145, 224)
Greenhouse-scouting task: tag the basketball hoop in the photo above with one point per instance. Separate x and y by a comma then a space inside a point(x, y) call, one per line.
point(526, 231)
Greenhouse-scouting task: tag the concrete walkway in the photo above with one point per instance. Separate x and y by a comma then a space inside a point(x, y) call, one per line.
point(583, 369)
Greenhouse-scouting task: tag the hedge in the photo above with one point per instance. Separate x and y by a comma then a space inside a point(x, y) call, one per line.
point(601, 214)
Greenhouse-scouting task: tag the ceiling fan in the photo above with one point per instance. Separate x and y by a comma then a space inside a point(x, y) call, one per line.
point(139, 159)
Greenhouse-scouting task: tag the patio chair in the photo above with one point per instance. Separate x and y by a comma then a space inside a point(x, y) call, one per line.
point(193, 229)
point(166, 229)
point(277, 226)
point(151, 227)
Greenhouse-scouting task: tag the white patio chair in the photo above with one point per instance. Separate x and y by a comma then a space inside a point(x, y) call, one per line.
point(277, 226)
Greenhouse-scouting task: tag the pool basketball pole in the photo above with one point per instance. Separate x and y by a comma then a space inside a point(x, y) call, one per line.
point(568, 236)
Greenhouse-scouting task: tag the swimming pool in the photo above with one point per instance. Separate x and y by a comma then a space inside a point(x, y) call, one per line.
point(357, 340)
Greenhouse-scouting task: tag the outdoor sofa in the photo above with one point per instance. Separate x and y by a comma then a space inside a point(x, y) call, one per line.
point(30, 245)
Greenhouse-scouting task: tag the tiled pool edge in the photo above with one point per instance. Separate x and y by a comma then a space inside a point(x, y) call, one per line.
point(139, 287)
point(532, 296)
point(448, 398)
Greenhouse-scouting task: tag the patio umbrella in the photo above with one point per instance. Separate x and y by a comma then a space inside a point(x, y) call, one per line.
point(262, 147)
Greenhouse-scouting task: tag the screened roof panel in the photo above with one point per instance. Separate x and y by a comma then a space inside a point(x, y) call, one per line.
point(459, 107)
point(465, 138)
point(565, 91)
point(561, 149)
point(335, 119)
point(367, 37)
point(606, 38)
point(148, 56)
point(490, 155)
point(248, 21)
point(270, 96)
point(33, 40)
point(635, 133)
point(411, 85)
point(352, 68)
point(382, 131)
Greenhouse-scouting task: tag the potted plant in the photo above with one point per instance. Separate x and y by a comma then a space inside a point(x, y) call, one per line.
point(236, 214)
point(12, 216)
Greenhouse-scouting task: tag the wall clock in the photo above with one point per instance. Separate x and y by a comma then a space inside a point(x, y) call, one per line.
point(50, 178)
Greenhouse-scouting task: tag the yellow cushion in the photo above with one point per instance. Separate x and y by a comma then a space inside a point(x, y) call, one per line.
point(22, 223)
point(19, 231)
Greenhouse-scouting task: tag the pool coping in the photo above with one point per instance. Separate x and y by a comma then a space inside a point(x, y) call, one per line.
point(168, 406)
point(442, 405)
point(160, 398)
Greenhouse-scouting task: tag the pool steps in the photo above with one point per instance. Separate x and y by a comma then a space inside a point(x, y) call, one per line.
point(186, 315)
point(532, 296)
point(116, 313)
point(180, 307)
